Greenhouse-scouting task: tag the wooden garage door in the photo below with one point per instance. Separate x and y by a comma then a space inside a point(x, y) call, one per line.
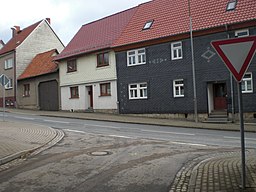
point(48, 96)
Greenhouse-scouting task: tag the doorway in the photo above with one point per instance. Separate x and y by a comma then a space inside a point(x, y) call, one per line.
point(89, 90)
point(220, 96)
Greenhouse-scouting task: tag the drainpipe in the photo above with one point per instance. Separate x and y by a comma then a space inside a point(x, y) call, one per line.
point(231, 87)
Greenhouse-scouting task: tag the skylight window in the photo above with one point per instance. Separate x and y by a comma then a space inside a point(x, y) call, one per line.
point(231, 5)
point(148, 25)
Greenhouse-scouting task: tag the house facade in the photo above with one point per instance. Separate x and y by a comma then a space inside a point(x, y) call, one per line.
point(154, 67)
point(38, 85)
point(87, 66)
point(19, 51)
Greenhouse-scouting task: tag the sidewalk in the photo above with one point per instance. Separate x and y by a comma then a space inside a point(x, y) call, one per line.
point(18, 139)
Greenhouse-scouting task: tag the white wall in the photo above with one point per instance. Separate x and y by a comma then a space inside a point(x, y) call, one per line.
point(88, 74)
point(42, 39)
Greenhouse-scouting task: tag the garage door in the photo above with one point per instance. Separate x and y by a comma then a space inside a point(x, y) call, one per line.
point(48, 96)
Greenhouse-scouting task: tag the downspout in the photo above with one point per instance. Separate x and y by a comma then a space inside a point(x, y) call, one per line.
point(231, 86)
point(15, 80)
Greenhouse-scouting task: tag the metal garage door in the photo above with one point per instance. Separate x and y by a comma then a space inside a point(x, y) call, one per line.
point(48, 96)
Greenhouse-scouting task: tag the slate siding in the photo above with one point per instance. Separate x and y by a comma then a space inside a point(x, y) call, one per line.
point(160, 71)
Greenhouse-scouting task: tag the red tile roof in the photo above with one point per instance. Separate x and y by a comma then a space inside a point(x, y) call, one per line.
point(18, 38)
point(41, 64)
point(172, 18)
point(97, 35)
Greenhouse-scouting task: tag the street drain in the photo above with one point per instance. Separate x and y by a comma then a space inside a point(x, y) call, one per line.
point(100, 153)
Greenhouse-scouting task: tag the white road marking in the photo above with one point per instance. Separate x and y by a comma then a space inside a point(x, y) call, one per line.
point(52, 121)
point(120, 136)
point(191, 144)
point(75, 131)
point(105, 126)
point(238, 138)
point(166, 132)
point(26, 118)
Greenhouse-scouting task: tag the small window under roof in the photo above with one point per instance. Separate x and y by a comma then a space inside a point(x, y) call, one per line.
point(148, 24)
point(231, 5)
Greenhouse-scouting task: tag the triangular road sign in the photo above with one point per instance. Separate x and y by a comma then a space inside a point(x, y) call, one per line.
point(236, 53)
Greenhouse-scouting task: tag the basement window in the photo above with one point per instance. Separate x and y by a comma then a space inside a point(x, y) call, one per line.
point(231, 5)
point(148, 25)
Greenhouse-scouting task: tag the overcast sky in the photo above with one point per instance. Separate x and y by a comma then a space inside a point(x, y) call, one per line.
point(67, 16)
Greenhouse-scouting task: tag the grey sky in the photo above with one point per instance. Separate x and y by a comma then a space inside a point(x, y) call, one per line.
point(66, 16)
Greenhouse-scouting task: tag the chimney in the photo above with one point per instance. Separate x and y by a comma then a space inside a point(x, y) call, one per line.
point(49, 20)
point(15, 30)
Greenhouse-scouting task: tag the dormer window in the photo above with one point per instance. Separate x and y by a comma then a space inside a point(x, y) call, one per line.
point(231, 5)
point(148, 25)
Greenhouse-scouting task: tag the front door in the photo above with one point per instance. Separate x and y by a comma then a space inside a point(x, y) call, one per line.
point(90, 94)
point(220, 96)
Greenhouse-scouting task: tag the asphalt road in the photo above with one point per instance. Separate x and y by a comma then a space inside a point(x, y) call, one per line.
point(186, 136)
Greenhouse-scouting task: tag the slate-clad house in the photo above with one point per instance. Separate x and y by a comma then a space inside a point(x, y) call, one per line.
point(38, 85)
point(153, 58)
point(19, 51)
point(88, 66)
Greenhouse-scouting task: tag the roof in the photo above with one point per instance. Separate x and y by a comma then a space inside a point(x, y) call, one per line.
point(97, 35)
point(41, 64)
point(171, 17)
point(18, 38)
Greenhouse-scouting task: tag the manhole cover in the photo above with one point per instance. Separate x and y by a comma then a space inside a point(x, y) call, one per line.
point(100, 153)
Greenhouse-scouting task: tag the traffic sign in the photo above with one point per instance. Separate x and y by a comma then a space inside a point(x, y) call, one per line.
point(4, 80)
point(236, 53)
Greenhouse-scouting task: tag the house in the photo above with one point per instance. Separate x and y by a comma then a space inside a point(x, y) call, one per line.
point(154, 60)
point(38, 85)
point(19, 51)
point(87, 66)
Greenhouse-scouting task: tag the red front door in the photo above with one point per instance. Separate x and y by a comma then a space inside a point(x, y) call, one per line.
point(220, 93)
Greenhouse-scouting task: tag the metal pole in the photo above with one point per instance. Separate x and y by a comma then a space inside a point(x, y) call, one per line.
point(193, 63)
point(4, 100)
point(240, 103)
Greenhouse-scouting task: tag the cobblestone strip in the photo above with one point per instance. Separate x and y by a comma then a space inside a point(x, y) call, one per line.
point(214, 172)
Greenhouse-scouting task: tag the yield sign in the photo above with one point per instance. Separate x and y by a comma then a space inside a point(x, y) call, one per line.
point(236, 53)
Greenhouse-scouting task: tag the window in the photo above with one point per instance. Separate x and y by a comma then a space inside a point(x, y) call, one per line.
point(26, 92)
point(176, 50)
point(138, 91)
point(71, 66)
point(74, 92)
point(8, 64)
point(178, 88)
point(105, 89)
point(136, 57)
point(242, 33)
point(9, 84)
point(247, 85)
point(148, 25)
point(102, 59)
point(231, 5)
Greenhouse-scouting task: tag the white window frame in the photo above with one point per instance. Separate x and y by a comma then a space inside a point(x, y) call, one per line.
point(176, 48)
point(178, 85)
point(9, 85)
point(245, 83)
point(242, 31)
point(134, 57)
point(8, 63)
point(138, 91)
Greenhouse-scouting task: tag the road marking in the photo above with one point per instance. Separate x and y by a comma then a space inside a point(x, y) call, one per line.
point(166, 132)
point(75, 131)
point(191, 144)
point(26, 118)
point(120, 136)
point(238, 138)
point(52, 121)
point(105, 126)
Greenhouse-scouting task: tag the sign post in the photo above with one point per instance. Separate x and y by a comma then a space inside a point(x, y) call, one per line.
point(4, 80)
point(237, 54)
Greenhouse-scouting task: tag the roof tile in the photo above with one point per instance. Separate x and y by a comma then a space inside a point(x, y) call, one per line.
point(41, 64)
